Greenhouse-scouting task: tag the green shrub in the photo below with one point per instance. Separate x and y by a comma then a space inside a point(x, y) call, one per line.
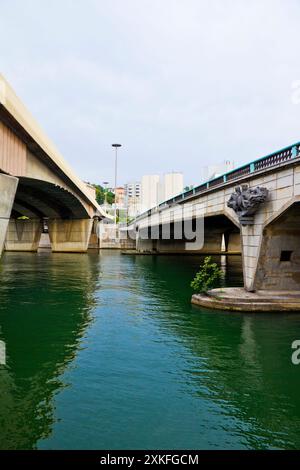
point(208, 277)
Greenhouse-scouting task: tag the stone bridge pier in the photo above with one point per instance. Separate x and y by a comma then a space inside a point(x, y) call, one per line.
point(8, 187)
point(23, 235)
point(69, 236)
point(270, 242)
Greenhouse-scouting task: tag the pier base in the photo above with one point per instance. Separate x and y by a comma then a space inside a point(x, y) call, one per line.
point(70, 236)
point(8, 187)
point(23, 235)
point(238, 299)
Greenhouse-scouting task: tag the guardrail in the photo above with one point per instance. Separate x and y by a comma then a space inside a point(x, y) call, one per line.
point(272, 160)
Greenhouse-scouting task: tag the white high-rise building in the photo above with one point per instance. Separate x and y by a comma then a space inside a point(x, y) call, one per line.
point(149, 191)
point(213, 171)
point(156, 190)
point(173, 185)
point(133, 189)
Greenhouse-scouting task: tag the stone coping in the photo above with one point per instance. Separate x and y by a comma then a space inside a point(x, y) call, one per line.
point(238, 299)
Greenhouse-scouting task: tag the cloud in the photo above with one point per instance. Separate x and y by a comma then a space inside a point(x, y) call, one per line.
point(178, 83)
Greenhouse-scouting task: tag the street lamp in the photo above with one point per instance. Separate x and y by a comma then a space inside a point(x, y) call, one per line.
point(116, 146)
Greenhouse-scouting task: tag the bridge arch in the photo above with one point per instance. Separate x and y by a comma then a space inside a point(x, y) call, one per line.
point(41, 199)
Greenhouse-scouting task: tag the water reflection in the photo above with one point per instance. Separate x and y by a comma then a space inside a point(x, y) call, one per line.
point(242, 362)
point(107, 352)
point(45, 308)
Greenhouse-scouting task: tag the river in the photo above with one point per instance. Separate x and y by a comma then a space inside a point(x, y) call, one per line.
point(106, 352)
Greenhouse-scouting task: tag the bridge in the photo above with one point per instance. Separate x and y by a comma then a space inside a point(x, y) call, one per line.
point(36, 185)
point(254, 210)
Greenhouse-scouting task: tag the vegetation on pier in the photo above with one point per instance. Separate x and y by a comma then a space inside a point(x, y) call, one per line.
point(208, 277)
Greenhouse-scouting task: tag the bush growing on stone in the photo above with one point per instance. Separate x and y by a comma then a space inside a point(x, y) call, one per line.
point(208, 277)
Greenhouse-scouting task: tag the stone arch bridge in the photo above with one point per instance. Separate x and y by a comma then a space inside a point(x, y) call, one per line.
point(263, 224)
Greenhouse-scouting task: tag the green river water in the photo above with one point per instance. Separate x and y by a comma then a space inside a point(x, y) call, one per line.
point(106, 352)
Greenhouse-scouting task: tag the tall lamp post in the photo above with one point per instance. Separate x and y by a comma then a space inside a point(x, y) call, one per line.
point(116, 146)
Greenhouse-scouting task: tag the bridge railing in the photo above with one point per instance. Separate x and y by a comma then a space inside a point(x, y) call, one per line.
point(272, 160)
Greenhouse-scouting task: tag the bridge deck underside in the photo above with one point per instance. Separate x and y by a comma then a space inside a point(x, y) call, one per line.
point(38, 199)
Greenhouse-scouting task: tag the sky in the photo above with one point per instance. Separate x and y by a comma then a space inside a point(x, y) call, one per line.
point(181, 84)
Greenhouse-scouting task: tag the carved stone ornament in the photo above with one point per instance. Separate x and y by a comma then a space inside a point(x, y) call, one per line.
point(245, 202)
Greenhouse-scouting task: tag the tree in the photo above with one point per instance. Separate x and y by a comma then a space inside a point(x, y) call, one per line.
point(110, 197)
point(208, 277)
point(100, 195)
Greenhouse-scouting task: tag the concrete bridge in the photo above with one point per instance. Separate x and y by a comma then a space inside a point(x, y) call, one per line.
point(37, 183)
point(266, 230)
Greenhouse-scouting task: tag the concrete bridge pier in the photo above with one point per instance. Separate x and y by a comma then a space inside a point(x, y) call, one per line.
point(251, 238)
point(212, 240)
point(145, 244)
point(232, 242)
point(271, 265)
point(70, 235)
point(8, 187)
point(23, 235)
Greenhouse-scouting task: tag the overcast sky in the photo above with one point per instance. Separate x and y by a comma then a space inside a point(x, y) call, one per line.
point(180, 83)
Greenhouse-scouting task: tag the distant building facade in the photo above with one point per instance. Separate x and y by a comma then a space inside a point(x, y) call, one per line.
point(149, 191)
point(132, 198)
point(120, 197)
point(213, 171)
point(173, 185)
point(156, 189)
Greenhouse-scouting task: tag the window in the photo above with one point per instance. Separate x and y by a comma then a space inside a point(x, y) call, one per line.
point(286, 255)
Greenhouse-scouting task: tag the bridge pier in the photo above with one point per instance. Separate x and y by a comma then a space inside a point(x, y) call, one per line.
point(271, 265)
point(232, 242)
point(251, 241)
point(145, 244)
point(70, 235)
point(8, 187)
point(23, 235)
point(212, 240)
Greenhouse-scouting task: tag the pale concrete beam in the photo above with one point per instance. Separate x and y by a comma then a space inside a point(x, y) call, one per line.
point(8, 187)
point(234, 242)
point(23, 235)
point(144, 244)
point(71, 236)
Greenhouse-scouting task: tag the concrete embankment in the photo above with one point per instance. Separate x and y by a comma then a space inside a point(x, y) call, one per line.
point(238, 299)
